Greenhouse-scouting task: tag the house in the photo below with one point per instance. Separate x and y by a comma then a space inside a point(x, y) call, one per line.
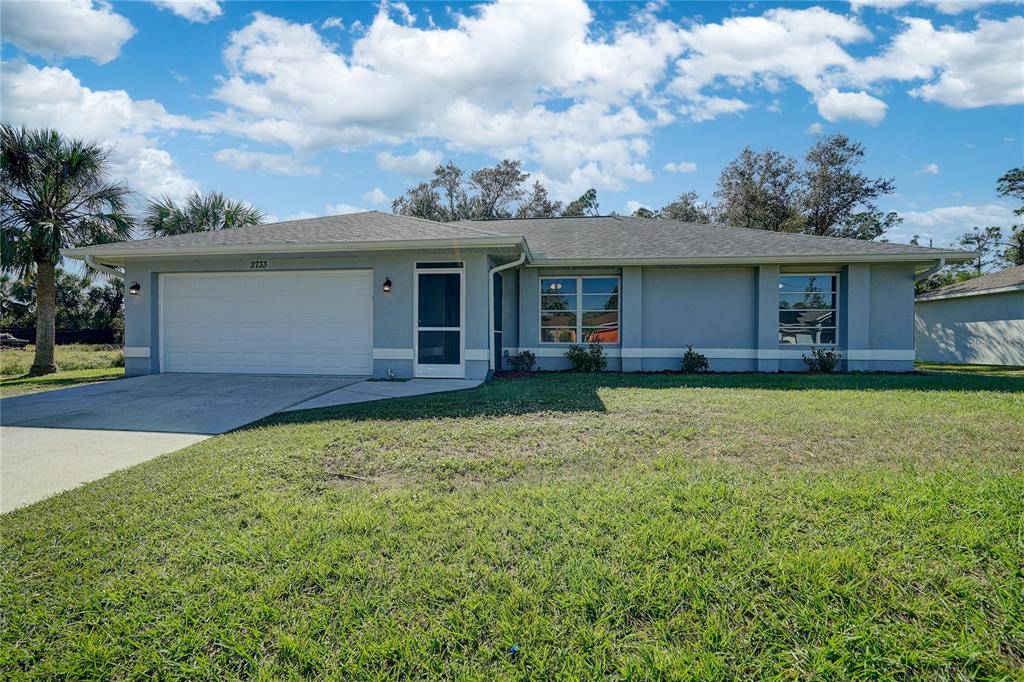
point(978, 321)
point(374, 293)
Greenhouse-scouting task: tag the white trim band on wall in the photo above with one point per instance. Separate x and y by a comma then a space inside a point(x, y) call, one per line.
point(136, 351)
point(730, 353)
point(393, 354)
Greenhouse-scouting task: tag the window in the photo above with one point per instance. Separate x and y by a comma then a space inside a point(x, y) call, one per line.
point(579, 310)
point(808, 309)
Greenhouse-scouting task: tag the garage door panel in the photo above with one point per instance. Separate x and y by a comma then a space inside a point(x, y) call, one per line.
point(294, 323)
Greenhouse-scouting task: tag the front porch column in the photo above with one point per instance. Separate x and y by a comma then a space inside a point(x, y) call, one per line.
point(858, 317)
point(631, 319)
point(768, 318)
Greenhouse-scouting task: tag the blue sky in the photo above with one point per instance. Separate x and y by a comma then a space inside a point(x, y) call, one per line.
point(309, 108)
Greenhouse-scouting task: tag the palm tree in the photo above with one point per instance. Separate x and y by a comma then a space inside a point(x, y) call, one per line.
point(200, 213)
point(55, 194)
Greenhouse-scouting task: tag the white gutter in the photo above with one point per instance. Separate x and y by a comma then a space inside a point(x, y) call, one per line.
point(930, 271)
point(95, 265)
point(490, 304)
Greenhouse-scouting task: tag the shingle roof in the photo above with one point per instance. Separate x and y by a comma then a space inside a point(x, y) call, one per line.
point(1004, 279)
point(596, 239)
point(619, 238)
point(339, 229)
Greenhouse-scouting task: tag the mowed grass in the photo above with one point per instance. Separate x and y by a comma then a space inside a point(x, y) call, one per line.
point(557, 526)
point(78, 363)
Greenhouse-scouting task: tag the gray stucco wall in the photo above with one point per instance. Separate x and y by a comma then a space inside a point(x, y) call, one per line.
point(392, 312)
point(986, 330)
point(731, 315)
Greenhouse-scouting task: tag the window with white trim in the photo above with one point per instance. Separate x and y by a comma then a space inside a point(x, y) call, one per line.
point(808, 309)
point(579, 309)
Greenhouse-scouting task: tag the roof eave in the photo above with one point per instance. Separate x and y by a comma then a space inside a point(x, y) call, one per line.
point(924, 298)
point(113, 255)
point(949, 256)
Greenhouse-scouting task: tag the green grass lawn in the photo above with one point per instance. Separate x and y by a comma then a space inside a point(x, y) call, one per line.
point(557, 526)
point(78, 363)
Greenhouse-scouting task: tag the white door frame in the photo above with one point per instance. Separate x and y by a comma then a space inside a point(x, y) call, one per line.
point(438, 371)
point(161, 289)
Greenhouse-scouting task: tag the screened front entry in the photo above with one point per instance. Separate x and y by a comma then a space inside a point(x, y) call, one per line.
point(439, 328)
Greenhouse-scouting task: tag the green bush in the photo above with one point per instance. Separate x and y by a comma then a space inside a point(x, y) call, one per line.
point(523, 361)
point(822, 360)
point(694, 362)
point(590, 359)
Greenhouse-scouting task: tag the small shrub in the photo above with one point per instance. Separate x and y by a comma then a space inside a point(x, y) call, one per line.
point(118, 359)
point(523, 361)
point(822, 360)
point(694, 362)
point(590, 359)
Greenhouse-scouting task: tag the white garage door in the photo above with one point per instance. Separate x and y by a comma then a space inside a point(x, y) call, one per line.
point(268, 322)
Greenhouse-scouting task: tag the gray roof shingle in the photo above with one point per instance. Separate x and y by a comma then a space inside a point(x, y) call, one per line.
point(602, 238)
point(1010, 277)
point(338, 229)
point(617, 237)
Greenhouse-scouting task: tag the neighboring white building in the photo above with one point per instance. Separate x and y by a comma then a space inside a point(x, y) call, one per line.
point(980, 321)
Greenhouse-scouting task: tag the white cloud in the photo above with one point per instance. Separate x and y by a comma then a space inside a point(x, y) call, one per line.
point(681, 167)
point(53, 98)
point(376, 197)
point(66, 28)
point(420, 163)
point(333, 22)
point(632, 206)
point(943, 225)
point(200, 11)
point(815, 129)
point(281, 164)
point(857, 106)
point(962, 69)
point(341, 209)
point(945, 6)
point(484, 85)
point(929, 169)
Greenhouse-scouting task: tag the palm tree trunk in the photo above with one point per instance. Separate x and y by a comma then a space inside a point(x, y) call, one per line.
point(46, 301)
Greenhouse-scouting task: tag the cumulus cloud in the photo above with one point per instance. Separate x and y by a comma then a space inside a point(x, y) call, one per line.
point(961, 69)
point(929, 169)
point(944, 6)
point(484, 85)
point(944, 224)
point(857, 106)
point(65, 28)
point(281, 164)
point(681, 167)
point(341, 209)
point(200, 11)
point(52, 97)
point(815, 129)
point(420, 163)
point(632, 206)
point(376, 197)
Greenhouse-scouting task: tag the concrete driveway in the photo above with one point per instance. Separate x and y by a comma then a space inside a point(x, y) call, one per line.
point(56, 440)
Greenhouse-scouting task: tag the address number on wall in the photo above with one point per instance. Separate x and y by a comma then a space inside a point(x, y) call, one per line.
point(257, 265)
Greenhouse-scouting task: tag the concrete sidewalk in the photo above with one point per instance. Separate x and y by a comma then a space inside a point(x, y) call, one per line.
point(367, 391)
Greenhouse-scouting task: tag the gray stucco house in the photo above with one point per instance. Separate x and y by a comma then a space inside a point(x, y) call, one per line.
point(374, 293)
point(979, 321)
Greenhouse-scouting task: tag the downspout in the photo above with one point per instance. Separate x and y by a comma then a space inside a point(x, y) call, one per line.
point(930, 271)
point(92, 263)
point(490, 305)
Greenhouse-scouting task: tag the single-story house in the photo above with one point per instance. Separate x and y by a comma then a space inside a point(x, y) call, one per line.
point(381, 294)
point(980, 321)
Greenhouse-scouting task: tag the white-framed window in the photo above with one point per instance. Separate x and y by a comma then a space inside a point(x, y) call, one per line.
point(808, 309)
point(579, 309)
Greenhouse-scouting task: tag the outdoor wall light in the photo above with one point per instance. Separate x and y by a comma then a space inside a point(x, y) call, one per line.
point(387, 285)
point(134, 288)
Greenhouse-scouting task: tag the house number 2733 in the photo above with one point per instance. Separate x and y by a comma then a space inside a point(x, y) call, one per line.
point(257, 265)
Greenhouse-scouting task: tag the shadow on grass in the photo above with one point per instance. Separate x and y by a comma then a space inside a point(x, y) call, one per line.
point(567, 392)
